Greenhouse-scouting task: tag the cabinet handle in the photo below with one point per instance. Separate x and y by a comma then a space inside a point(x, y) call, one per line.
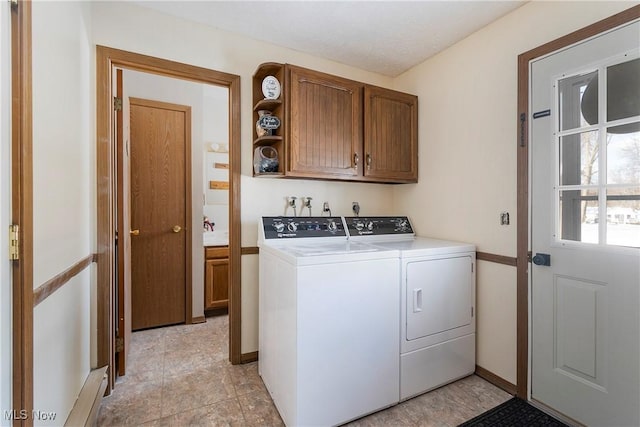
point(356, 159)
point(176, 229)
point(134, 232)
point(368, 161)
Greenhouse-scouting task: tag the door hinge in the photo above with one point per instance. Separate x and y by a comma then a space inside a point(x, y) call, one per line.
point(14, 242)
point(14, 4)
point(471, 311)
point(119, 345)
point(117, 103)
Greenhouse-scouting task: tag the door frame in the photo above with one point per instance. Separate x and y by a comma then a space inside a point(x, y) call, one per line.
point(523, 180)
point(22, 209)
point(106, 60)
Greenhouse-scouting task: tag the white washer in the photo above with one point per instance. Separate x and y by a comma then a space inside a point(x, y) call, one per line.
point(329, 321)
point(437, 282)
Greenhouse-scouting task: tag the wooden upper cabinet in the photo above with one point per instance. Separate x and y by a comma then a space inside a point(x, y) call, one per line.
point(335, 128)
point(390, 135)
point(325, 125)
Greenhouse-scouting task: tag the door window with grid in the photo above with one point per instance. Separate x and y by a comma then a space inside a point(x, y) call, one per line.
point(597, 189)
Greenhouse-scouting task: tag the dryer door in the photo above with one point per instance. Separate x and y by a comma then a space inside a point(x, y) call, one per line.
point(439, 296)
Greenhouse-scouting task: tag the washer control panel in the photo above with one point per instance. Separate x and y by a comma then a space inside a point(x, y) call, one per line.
point(292, 227)
point(378, 225)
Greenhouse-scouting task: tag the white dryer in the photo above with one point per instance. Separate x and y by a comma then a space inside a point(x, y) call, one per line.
point(437, 285)
point(329, 313)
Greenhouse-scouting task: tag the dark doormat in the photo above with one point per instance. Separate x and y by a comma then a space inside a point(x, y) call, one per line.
point(513, 413)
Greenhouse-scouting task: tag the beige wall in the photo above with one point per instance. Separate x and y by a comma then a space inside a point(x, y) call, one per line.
point(467, 149)
point(63, 189)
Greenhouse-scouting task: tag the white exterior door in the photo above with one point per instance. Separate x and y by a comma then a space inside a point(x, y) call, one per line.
point(585, 215)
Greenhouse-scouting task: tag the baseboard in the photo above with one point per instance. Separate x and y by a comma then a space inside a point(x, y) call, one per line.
point(249, 357)
point(496, 380)
point(216, 311)
point(199, 319)
point(85, 410)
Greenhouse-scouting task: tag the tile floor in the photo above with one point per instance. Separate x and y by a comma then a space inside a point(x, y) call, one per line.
point(180, 375)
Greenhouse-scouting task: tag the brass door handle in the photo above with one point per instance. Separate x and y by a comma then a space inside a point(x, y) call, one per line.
point(176, 229)
point(134, 232)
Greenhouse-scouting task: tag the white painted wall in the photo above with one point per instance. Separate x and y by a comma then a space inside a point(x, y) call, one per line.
point(5, 214)
point(216, 147)
point(63, 198)
point(130, 27)
point(467, 148)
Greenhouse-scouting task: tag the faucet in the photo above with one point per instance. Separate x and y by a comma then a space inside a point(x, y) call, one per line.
point(326, 208)
point(307, 204)
point(355, 207)
point(208, 225)
point(292, 204)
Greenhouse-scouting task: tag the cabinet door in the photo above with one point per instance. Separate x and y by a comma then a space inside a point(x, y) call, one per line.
point(390, 135)
point(216, 277)
point(325, 125)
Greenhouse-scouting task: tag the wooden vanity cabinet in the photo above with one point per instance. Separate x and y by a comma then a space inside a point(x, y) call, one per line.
point(216, 277)
point(339, 129)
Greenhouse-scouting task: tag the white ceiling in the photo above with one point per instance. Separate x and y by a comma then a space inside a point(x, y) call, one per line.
point(386, 37)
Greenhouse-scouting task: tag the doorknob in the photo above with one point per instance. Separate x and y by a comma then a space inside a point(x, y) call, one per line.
point(542, 259)
point(134, 232)
point(176, 229)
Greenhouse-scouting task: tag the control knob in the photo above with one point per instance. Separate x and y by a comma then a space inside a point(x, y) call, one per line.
point(370, 225)
point(292, 227)
point(279, 227)
point(359, 225)
point(331, 226)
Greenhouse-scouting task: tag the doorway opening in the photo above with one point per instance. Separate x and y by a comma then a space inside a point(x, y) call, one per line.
point(108, 60)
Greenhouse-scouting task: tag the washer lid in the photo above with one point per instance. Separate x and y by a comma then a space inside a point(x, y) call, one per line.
point(424, 246)
point(321, 251)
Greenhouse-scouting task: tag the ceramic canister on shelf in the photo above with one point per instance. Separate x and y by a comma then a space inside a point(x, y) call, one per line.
point(265, 159)
point(266, 123)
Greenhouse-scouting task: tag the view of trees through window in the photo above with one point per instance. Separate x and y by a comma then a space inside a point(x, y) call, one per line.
point(599, 160)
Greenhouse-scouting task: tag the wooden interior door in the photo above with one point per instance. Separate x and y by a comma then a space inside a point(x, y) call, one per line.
point(123, 216)
point(160, 185)
point(319, 149)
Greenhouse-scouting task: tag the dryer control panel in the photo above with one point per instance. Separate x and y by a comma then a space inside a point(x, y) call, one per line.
point(379, 225)
point(292, 227)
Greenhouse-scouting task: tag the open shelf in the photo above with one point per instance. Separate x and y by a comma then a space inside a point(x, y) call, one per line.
point(277, 108)
point(267, 140)
point(267, 104)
